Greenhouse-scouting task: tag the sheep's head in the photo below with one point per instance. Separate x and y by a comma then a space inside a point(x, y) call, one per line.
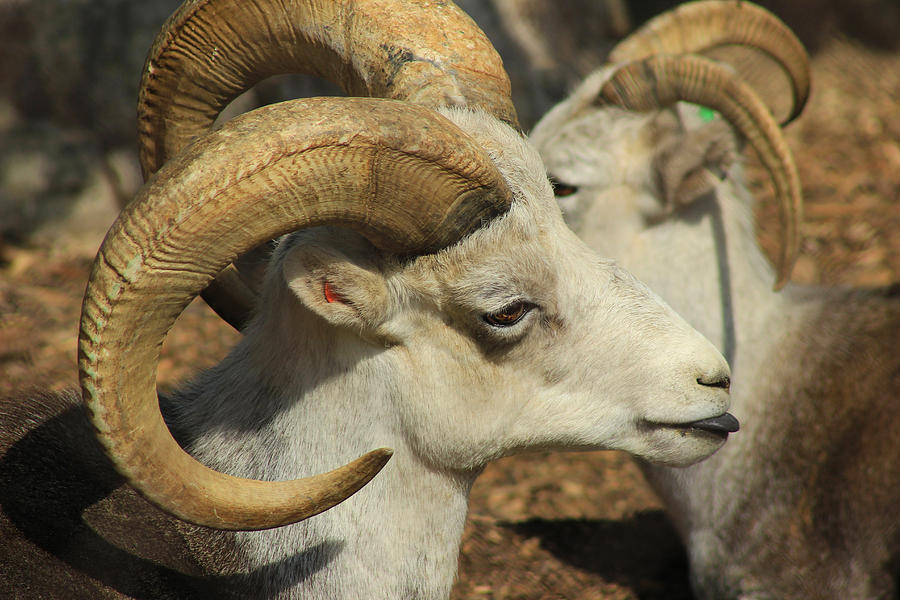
point(627, 144)
point(459, 258)
point(518, 337)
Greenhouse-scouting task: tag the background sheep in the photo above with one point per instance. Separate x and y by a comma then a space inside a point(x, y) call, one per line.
point(786, 512)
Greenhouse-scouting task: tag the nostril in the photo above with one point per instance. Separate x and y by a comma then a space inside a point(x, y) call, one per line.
point(719, 381)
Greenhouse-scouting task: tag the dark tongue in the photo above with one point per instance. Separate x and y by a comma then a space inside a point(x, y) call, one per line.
point(725, 423)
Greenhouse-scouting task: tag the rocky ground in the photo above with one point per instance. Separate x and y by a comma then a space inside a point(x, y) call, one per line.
point(546, 526)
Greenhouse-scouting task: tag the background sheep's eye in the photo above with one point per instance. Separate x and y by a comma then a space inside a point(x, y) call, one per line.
point(508, 315)
point(561, 190)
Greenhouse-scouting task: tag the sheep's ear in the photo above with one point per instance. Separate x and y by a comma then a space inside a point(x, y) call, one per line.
point(338, 281)
point(693, 155)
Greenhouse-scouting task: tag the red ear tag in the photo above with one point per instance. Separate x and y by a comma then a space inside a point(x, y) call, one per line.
point(330, 295)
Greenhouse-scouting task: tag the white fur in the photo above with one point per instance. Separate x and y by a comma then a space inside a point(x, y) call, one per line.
point(409, 363)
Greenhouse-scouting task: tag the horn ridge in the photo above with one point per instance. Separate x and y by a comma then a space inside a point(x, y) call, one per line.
point(209, 51)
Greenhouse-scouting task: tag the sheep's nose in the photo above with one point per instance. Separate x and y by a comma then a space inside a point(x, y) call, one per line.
point(717, 381)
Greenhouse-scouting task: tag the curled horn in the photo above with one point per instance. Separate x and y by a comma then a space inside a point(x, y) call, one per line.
point(663, 80)
point(713, 25)
point(399, 174)
point(210, 51)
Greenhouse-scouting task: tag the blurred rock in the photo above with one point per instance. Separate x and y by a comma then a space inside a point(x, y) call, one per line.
point(69, 74)
point(78, 62)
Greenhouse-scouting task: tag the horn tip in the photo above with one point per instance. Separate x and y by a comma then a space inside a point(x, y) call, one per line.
point(782, 279)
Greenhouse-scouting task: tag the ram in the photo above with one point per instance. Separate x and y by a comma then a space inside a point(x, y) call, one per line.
point(803, 504)
point(426, 297)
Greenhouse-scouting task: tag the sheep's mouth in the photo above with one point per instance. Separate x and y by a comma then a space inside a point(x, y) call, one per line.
point(719, 426)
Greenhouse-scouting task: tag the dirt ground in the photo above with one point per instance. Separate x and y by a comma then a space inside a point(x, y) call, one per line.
point(575, 525)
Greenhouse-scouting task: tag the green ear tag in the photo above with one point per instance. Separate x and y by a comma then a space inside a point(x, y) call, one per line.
point(706, 114)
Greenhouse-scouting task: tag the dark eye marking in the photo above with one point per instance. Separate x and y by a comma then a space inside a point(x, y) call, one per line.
point(508, 315)
point(560, 189)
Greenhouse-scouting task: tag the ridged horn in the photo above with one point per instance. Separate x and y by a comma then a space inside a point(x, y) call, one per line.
point(663, 80)
point(710, 26)
point(401, 175)
point(210, 51)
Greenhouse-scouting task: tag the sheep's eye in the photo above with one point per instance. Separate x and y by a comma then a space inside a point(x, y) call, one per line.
point(508, 315)
point(561, 190)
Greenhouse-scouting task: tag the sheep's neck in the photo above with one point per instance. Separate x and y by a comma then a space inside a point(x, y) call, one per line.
point(396, 538)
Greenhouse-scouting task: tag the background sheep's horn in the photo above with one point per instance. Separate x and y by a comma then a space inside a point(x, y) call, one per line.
point(663, 80)
point(401, 175)
point(730, 31)
point(210, 51)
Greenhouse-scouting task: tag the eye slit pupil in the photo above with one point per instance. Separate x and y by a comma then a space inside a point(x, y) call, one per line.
point(560, 189)
point(508, 315)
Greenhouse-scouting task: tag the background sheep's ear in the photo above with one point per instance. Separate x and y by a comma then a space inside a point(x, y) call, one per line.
point(338, 280)
point(693, 155)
